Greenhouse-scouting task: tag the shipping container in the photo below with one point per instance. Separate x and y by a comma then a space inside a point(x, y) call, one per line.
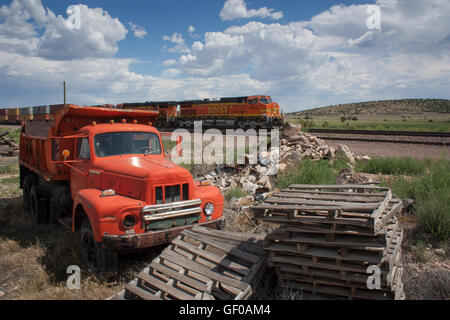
point(41, 117)
point(13, 115)
point(13, 111)
point(41, 110)
point(26, 117)
point(55, 108)
point(26, 111)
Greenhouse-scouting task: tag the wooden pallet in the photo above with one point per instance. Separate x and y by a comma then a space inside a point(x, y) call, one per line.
point(362, 249)
point(202, 264)
point(354, 278)
point(361, 207)
point(328, 257)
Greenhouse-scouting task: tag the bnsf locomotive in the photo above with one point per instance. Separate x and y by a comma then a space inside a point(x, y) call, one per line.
point(237, 112)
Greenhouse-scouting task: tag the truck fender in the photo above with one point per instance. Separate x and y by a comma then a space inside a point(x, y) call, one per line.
point(210, 194)
point(100, 209)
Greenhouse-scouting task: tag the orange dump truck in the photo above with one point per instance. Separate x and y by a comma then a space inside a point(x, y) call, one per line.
point(102, 172)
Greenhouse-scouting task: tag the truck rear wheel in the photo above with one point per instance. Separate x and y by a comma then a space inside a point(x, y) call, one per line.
point(28, 182)
point(38, 208)
point(98, 260)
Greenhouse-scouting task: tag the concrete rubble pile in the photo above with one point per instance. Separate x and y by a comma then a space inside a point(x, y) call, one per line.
point(257, 176)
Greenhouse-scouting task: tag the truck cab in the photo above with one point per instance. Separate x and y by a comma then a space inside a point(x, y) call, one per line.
point(108, 178)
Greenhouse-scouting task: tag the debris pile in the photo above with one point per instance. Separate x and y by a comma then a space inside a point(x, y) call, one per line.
point(202, 264)
point(347, 176)
point(335, 241)
point(8, 148)
point(256, 174)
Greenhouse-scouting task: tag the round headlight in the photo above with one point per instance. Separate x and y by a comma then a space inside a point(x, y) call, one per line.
point(129, 221)
point(208, 209)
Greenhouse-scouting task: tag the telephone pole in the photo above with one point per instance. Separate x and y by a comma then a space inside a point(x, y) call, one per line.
point(64, 85)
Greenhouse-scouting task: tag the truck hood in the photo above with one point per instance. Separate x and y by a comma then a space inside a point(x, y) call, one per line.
point(145, 167)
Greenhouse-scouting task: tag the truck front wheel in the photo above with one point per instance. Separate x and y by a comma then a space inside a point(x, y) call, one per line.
point(98, 260)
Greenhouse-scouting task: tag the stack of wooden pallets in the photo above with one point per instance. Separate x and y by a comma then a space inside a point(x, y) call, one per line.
point(332, 238)
point(202, 264)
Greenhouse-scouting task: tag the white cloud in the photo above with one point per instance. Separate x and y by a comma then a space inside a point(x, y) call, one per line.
point(171, 73)
point(178, 40)
point(20, 21)
point(169, 62)
point(235, 9)
point(139, 32)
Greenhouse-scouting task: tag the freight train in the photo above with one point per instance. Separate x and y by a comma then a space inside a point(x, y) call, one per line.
point(36, 114)
point(236, 112)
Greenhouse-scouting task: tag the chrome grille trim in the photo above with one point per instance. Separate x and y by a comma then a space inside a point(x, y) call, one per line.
point(168, 206)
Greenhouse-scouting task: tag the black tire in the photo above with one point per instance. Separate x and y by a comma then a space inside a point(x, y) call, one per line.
point(28, 182)
point(38, 208)
point(59, 203)
point(100, 261)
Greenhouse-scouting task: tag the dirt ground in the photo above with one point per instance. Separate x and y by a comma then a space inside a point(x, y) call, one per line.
point(386, 149)
point(426, 273)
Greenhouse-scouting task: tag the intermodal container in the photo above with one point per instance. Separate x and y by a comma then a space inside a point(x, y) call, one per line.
point(41, 110)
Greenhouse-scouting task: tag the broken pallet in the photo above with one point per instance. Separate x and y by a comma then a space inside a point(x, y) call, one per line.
point(202, 264)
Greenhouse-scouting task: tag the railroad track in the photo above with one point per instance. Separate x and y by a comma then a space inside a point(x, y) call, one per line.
point(383, 133)
point(371, 136)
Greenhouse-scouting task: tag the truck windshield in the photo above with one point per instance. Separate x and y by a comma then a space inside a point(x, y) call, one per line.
point(122, 143)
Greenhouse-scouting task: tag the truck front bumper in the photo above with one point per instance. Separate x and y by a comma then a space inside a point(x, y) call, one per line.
point(151, 238)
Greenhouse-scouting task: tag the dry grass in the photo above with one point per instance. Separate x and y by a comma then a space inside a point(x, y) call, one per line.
point(426, 274)
point(34, 259)
point(23, 276)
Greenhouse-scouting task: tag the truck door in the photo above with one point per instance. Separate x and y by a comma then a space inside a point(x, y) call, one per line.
point(79, 177)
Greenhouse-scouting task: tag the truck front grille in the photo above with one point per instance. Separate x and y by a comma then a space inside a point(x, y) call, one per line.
point(169, 194)
point(169, 215)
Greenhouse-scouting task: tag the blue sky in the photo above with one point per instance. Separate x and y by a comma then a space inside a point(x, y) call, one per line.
point(302, 53)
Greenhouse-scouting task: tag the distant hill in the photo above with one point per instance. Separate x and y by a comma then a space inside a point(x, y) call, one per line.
point(382, 107)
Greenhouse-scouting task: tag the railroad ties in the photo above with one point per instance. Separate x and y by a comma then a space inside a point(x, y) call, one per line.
point(202, 264)
point(332, 238)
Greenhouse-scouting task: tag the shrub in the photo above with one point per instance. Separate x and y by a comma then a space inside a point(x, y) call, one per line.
point(419, 249)
point(10, 168)
point(431, 194)
point(308, 172)
point(235, 193)
point(396, 166)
